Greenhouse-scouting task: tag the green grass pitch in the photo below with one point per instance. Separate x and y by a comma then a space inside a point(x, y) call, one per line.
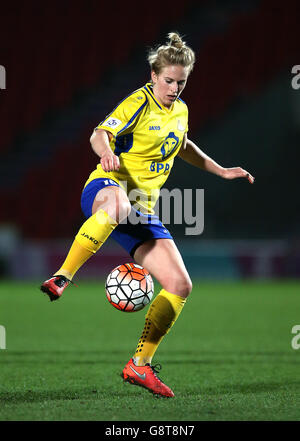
point(229, 356)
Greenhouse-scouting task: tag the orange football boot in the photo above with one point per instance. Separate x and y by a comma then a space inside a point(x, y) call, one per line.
point(145, 376)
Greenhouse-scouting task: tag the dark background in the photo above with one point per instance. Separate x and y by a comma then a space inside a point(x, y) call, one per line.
point(68, 64)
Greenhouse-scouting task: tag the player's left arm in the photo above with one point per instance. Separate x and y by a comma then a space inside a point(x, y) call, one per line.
point(190, 153)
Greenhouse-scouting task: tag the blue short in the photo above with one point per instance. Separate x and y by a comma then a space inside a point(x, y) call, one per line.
point(130, 236)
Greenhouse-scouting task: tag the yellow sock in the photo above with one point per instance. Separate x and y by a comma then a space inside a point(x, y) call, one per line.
point(92, 234)
point(161, 316)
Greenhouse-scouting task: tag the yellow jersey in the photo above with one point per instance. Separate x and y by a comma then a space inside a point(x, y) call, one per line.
point(146, 136)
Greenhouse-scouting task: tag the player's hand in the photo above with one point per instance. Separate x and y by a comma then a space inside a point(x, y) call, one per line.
point(110, 162)
point(237, 172)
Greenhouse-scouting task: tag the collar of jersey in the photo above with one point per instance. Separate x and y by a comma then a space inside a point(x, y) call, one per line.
point(149, 90)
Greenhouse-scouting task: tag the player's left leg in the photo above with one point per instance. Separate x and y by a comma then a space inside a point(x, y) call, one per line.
point(163, 260)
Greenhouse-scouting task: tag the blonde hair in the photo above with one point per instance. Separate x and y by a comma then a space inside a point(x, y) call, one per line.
point(175, 51)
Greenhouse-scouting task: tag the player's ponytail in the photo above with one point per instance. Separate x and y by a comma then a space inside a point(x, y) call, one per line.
point(174, 52)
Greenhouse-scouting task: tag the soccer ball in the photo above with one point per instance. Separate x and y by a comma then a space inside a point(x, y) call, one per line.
point(129, 287)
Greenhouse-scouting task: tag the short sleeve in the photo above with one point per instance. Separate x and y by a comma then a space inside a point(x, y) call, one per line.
point(187, 127)
point(125, 114)
point(187, 121)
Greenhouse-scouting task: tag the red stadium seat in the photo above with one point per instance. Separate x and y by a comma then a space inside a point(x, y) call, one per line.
point(69, 59)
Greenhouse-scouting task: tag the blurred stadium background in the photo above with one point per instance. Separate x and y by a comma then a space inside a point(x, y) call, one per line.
point(68, 66)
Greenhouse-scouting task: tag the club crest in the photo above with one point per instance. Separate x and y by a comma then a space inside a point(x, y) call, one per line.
point(169, 145)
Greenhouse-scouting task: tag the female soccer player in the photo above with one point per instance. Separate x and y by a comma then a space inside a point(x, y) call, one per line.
point(137, 143)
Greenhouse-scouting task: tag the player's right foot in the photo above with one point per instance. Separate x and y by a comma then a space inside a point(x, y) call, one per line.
point(55, 286)
point(145, 376)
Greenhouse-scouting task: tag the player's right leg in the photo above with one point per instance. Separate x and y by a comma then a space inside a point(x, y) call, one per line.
point(105, 207)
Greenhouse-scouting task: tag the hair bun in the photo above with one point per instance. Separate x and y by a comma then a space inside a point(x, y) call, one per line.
point(174, 52)
point(175, 40)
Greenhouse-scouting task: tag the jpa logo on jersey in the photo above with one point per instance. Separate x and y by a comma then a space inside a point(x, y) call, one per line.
point(112, 122)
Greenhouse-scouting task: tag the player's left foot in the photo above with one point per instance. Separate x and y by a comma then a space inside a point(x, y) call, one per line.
point(145, 376)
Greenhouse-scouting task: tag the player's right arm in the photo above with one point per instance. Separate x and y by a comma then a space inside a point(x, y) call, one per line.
point(100, 144)
point(120, 120)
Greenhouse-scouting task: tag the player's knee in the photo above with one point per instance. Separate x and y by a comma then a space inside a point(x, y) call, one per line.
point(118, 210)
point(189, 287)
point(181, 286)
point(186, 288)
point(123, 210)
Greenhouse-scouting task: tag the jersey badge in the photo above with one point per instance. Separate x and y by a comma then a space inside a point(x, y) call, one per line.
point(180, 126)
point(112, 122)
point(169, 145)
